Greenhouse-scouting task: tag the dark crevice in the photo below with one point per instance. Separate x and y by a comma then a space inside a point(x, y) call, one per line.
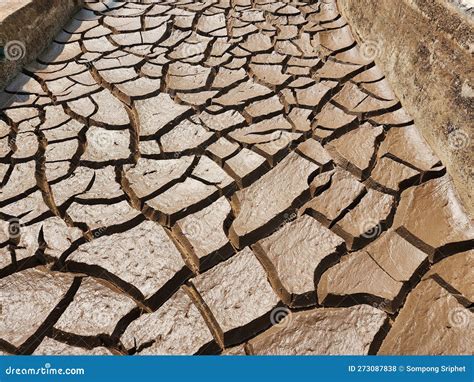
point(29, 346)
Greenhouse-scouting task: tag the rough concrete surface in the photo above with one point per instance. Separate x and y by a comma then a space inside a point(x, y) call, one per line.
point(223, 177)
point(26, 28)
point(428, 61)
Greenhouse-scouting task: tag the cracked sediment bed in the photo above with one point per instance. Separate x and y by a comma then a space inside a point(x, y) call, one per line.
point(226, 178)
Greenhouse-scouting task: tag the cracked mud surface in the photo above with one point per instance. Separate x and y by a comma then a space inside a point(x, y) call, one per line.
point(235, 177)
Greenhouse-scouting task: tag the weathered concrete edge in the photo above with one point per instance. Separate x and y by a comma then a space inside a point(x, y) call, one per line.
point(425, 50)
point(29, 30)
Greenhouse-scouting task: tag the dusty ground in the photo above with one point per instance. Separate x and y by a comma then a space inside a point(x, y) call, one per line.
point(223, 177)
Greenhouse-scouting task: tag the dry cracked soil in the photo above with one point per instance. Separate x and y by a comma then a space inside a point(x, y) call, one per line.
point(223, 177)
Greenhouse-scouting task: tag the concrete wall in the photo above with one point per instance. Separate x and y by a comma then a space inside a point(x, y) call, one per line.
point(26, 28)
point(425, 48)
